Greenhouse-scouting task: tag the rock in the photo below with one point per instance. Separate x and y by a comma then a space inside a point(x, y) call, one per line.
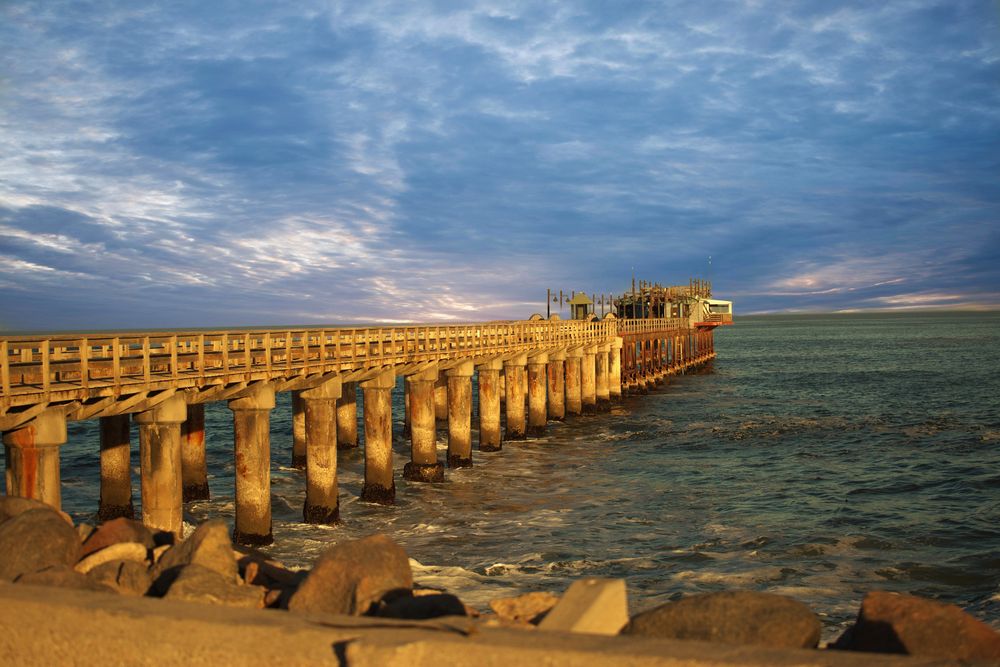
point(592, 606)
point(62, 576)
point(208, 546)
point(196, 583)
point(527, 608)
point(899, 623)
point(36, 539)
point(127, 577)
point(121, 551)
point(257, 569)
point(423, 607)
point(733, 617)
point(11, 506)
point(348, 578)
point(84, 530)
point(158, 552)
point(117, 531)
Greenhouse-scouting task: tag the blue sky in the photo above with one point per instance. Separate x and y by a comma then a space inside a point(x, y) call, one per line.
point(240, 163)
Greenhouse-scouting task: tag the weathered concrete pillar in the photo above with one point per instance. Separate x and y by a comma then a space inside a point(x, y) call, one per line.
point(601, 376)
point(489, 406)
point(460, 415)
point(441, 398)
point(347, 416)
point(424, 465)
point(322, 504)
point(116, 469)
point(160, 468)
point(574, 396)
point(32, 457)
point(407, 420)
point(513, 370)
point(379, 486)
point(615, 376)
point(588, 379)
point(537, 412)
point(194, 468)
point(556, 375)
point(298, 431)
point(252, 435)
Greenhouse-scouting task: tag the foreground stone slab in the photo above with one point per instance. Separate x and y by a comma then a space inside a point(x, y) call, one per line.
point(594, 606)
point(40, 627)
point(735, 617)
point(899, 623)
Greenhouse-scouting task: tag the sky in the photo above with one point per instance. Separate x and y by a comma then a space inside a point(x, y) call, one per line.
point(181, 164)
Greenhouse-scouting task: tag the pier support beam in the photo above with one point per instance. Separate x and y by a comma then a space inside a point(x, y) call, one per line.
point(537, 413)
point(32, 457)
point(424, 465)
point(160, 468)
point(116, 469)
point(298, 431)
point(489, 406)
point(322, 504)
point(601, 375)
point(588, 379)
point(379, 486)
point(194, 468)
point(441, 398)
point(556, 375)
point(513, 370)
point(615, 375)
point(574, 364)
point(252, 435)
point(460, 415)
point(347, 416)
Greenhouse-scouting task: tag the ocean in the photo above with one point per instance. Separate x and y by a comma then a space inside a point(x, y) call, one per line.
point(819, 457)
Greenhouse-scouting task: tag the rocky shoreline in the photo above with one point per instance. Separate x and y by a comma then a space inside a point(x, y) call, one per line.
point(371, 577)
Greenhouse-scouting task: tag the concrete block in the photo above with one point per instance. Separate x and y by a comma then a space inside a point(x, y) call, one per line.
point(594, 606)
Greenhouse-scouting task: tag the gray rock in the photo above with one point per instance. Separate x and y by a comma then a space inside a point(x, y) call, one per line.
point(208, 546)
point(127, 577)
point(350, 577)
point(36, 539)
point(897, 623)
point(117, 531)
point(196, 583)
point(733, 617)
point(62, 576)
point(423, 607)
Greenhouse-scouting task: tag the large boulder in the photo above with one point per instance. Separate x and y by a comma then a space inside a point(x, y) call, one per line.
point(350, 577)
point(898, 623)
point(208, 546)
point(196, 583)
point(62, 576)
point(127, 577)
point(527, 608)
point(117, 531)
point(120, 551)
point(733, 617)
point(11, 506)
point(34, 540)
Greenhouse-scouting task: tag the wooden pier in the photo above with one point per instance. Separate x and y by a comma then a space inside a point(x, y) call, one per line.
point(533, 371)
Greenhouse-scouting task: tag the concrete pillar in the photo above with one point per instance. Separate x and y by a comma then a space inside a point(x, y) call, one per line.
point(441, 398)
point(601, 377)
point(489, 406)
point(116, 469)
point(194, 468)
point(588, 379)
point(252, 435)
point(574, 396)
point(379, 486)
point(322, 504)
point(615, 376)
point(160, 468)
point(424, 465)
point(407, 420)
point(298, 431)
point(556, 375)
point(347, 416)
point(537, 412)
point(460, 415)
point(32, 457)
point(513, 370)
